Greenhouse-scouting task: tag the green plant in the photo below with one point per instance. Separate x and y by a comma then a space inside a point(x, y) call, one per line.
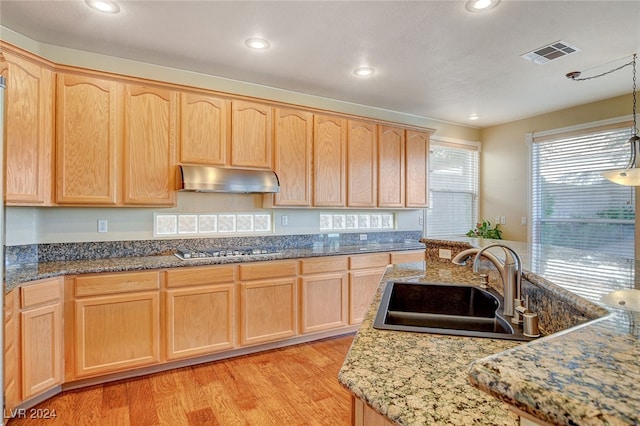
point(484, 230)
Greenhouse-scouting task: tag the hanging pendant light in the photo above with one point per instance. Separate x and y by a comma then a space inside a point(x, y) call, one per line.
point(630, 175)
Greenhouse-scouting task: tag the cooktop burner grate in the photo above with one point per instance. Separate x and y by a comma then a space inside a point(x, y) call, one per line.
point(216, 252)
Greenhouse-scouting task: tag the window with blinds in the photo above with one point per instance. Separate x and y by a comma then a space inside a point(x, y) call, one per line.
point(453, 189)
point(572, 204)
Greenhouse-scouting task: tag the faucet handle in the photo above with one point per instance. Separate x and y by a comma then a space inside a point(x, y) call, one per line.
point(484, 280)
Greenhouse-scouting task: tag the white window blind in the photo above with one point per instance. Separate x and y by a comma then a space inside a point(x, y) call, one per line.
point(572, 204)
point(453, 189)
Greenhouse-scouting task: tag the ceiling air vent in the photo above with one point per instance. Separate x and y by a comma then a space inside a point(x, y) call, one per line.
point(550, 52)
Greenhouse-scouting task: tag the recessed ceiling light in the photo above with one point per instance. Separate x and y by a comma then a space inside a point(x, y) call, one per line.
point(473, 117)
point(106, 6)
point(481, 5)
point(364, 71)
point(257, 43)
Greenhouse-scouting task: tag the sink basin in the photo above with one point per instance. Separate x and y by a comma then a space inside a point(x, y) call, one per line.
point(460, 310)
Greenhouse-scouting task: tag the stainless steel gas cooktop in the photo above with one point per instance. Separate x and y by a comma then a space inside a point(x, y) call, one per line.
point(187, 254)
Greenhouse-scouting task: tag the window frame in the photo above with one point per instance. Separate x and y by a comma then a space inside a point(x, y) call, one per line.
point(451, 143)
point(585, 129)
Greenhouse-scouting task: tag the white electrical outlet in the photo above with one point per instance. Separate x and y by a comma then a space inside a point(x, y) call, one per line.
point(497, 221)
point(363, 237)
point(102, 225)
point(444, 254)
point(503, 220)
point(284, 220)
point(420, 220)
point(523, 221)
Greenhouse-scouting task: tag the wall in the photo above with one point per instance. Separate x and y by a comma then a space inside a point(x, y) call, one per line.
point(31, 225)
point(504, 167)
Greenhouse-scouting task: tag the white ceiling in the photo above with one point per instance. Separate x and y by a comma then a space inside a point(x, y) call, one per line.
point(433, 59)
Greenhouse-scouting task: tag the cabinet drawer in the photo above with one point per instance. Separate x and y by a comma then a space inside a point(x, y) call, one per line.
point(363, 261)
point(200, 276)
point(91, 285)
point(42, 291)
point(323, 264)
point(264, 270)
point(407, 256)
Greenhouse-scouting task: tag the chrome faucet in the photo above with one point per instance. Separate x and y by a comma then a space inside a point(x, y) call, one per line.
point(510, 273)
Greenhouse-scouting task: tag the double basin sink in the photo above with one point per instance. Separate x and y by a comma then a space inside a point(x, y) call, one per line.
point(460, 310)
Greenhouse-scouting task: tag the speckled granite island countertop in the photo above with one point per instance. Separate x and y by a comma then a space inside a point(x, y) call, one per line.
point(586, 375)
point(419, 378)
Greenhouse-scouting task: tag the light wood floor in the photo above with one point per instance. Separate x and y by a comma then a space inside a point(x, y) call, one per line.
point(296, 385)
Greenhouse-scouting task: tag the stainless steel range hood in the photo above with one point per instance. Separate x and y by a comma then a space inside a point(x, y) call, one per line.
point(218, 179)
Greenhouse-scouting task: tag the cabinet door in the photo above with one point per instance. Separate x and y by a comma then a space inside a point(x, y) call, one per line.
point(149, 146)
point(361, 164)
point(251, 144)
point(417, 156)
point(12, 370)
point(87, 144)
point(29, 131)
point(329, 161)
point(363, 285)
point(363, 415)
point(114, 333)
point(391, 174)
point(41, 330)
point(200, 320)
point(204, 129)
point(324, 301)
point(267, 310)
point(292, 156)
point(41, 336)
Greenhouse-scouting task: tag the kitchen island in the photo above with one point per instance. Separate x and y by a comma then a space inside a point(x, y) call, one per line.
point(419, 378)
point(588, 374)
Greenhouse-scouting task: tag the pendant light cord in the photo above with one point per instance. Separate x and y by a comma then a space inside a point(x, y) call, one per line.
point(634, 131)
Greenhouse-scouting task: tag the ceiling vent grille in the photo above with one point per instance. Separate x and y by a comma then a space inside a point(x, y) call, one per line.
point(550, 52)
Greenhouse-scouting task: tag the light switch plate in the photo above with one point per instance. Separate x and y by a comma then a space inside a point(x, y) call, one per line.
point(102, 225)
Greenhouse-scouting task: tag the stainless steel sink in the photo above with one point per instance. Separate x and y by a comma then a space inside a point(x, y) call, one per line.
point(460, 310)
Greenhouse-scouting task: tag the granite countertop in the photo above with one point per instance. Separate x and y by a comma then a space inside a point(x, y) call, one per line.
point(420, 378)
point(15, 275)
point(587, 375)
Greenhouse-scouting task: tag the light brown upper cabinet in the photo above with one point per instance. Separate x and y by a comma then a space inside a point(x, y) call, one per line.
point(29, 130)
point(149, 145)
point(251, 138)
point(391, 173)
point(204, 129)
point(88, 137)
point(361, 164)
point(417, 156)
point(329, 160)
point(292, 156)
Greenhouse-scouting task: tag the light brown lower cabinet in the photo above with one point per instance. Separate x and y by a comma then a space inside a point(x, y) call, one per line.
point(363, 415)
point(115, 332)
point(362, 287)
point(118, 322)
point(365, 273)
point(324, 294)
point(12, 370)
point(199, 311)
point(267, 310)
point(268, 301)
point(41, 336)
